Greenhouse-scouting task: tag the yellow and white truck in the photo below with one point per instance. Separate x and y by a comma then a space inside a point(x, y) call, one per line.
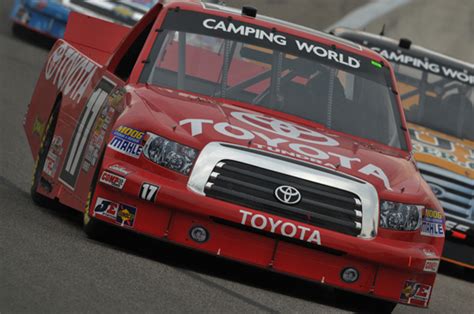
point(437, 93)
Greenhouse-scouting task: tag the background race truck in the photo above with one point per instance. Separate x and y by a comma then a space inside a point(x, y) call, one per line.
point(242, 136)
point(438, 97)
point(49, 17)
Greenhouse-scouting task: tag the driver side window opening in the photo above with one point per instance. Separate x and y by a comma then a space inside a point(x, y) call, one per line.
point(127, 62)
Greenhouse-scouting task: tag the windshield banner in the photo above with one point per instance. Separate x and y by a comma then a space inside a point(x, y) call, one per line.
point(461, 75)
point(228, 28)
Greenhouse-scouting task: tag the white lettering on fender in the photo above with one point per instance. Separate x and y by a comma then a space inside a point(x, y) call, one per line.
point(287, 229)
point(70, 71)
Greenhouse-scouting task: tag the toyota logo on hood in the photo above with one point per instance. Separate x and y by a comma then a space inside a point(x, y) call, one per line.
point(287, 194)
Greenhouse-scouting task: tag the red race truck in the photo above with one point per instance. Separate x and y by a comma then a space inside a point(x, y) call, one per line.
point(242, 136)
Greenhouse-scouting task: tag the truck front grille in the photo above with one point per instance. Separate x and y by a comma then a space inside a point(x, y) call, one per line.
point(455, 192)
point(254, 187)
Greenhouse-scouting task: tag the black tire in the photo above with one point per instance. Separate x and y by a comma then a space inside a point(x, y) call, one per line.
point(382, 306)
point(364, 304)
point(46, 140)
point(94, 229)
point(469, 274)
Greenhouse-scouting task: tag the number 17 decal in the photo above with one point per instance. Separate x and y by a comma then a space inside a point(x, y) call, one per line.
point(148, 192)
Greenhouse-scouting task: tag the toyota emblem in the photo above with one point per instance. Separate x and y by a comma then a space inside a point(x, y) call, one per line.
point(287, 194)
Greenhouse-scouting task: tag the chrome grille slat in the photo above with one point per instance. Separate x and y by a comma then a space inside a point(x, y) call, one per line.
point(254, 187)
point(281, 182)
point(290, 209)
point(359, 196)
point(457, 197)
point(445, 184)
point(456, 210)
point(351, 211)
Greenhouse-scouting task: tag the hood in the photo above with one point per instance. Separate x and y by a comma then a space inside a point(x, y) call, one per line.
point(443, 151)
point(196, 121)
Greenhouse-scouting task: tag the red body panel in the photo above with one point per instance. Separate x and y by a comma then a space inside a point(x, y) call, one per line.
point(94, 101)
point(94, 37)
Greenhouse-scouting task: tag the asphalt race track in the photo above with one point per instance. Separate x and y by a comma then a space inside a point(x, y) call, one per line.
point(48, 265)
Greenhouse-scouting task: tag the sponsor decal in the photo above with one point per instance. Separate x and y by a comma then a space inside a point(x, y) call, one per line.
point(432, 224)
point(129, 134)
point(126, 215)
point(148, 192)
point(70, 71)
point(431, 265)
point(112, 180)
point(38, 127)
point(125, 147)
point(415, 293)
point(433, 216)
point(299, 141)
point(432, 229)
point(281, 40)
point(50, 164)
point(106, 208)
point(429, 253)
point(427, 65)
point(120, 169)
point(127, 141)
point(100, 128)
point(116, 97)
point(52, 159)
point(287, 229)
point(122, 214)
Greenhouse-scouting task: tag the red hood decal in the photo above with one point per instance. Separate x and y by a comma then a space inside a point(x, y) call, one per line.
point(196, 121)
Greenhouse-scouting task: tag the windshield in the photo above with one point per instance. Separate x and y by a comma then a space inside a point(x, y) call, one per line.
point(242, 62)
point(437, 102)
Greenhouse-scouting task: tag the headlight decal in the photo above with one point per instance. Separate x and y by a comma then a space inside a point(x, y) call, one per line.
point(169, 154)
point(398, 216)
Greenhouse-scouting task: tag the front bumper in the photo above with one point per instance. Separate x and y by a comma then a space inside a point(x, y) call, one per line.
point(459, 245)
point(388, 269)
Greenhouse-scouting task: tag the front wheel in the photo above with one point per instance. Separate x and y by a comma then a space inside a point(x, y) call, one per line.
point(94, 228)
point(91, 226)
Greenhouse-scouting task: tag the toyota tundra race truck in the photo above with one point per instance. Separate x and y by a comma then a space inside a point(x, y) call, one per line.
point(242, 136)
point(437, 93)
